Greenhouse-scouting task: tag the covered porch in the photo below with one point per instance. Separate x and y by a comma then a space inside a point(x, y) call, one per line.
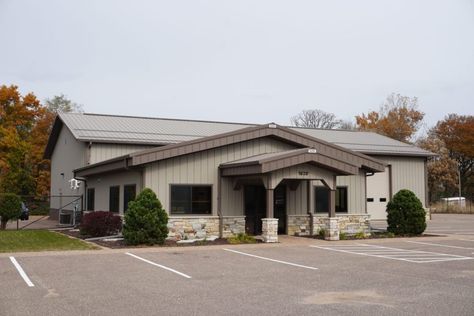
point(269, 181)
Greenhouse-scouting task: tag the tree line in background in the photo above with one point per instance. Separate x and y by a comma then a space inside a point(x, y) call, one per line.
point(25, 125)
point(452, 139)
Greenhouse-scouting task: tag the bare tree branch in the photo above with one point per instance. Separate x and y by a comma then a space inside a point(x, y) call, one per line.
point(316, 119)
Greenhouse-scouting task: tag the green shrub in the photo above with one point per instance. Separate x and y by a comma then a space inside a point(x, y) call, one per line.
point(322, 233)
point(242, 238)
point(342, 236)
point(360, 235)
point(145, 220)
point(405, 214)
point(10, 208)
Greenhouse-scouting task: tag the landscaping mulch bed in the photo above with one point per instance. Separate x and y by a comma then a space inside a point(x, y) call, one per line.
point(117, 244)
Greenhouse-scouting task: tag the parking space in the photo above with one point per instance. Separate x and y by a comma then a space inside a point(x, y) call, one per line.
point(444, 224)
point(416, 256)
point(331, 278)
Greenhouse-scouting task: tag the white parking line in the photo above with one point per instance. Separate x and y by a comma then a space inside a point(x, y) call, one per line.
point(438, 245)
point(158, 265)
point(21, 272)
point(466, 239)
point(273, 260)
point(415, 256)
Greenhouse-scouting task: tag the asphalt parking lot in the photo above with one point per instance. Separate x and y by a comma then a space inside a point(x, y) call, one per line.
point(422, 276)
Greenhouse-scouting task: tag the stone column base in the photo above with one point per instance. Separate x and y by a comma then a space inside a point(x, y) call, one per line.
point(332, 229)
point(270, 229)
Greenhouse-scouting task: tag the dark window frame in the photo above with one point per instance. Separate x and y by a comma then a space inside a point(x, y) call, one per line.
point(338, 207)
point(338, 199)
point(191, 202)
point(90, 200)
point(320, 187)
point(126, 199)
point(114, 206)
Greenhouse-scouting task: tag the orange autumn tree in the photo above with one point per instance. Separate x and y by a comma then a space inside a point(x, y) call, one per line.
point(442, 169)
point(397, 118)
point(18, 116)
point(25, 126)
point(457, 133)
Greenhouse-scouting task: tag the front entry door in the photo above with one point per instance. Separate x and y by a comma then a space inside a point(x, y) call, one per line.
point(255, 208)
point(280, 207)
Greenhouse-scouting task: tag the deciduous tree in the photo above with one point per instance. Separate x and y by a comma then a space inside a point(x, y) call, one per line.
point(442, 169)
point(316, 119)
point(18, 115)
point(457, 133)
point(397, 118)
point(60, 103)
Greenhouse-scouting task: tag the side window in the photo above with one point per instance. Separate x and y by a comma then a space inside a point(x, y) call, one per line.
point(321, 196)
point(341, 199)
point(129, 193)
point(191, 199)
point(90, 199)
point(114, 199)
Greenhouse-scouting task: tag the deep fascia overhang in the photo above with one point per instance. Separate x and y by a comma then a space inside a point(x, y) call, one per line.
point(53, 137)
point(147, 156)
point(111, 165)
point(287, 159)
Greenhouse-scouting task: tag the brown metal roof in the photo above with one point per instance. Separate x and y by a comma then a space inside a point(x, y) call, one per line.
point(273, 161)
point(102, 128)
point(249, 133)
point(325, 149)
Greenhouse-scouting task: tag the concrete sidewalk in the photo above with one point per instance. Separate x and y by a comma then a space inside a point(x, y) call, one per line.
point(34, 222)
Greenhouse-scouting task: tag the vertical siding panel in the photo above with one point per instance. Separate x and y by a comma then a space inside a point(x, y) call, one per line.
point(407, 173)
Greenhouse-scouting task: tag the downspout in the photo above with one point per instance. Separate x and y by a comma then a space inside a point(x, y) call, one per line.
point(89, 154)
point(219, 203)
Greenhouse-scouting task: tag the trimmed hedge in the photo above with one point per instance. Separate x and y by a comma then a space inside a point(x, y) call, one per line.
point(10, 208)
point(405, 214)
point(145, 220)
point(100, 224)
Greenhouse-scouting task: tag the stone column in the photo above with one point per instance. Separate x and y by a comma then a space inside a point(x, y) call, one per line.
point(332, 229)
point(270, 229)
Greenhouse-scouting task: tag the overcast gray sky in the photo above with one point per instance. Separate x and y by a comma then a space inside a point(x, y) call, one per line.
point(250, 61)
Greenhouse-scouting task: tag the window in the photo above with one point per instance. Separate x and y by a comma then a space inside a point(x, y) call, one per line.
point(114, 199)
point(321, 195)
point(129, 193)
point(370, 199)
point(341, 199)
point(90, 199)
point(191, 199)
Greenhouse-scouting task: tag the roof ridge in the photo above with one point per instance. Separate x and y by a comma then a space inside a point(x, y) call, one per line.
point(163, 118)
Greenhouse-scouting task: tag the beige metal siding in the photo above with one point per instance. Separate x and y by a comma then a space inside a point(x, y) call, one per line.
point(68, 155)
point(202, 168)
point(408, 173)
point(355, 192)
point(102, 185)
point(101, 152)
point(297, 200)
